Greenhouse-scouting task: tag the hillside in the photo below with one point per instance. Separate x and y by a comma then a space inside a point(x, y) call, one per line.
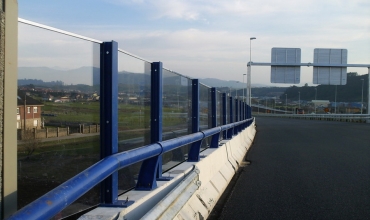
point(351, 92)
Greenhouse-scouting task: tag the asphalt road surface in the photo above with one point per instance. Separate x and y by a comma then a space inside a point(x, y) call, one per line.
point(303, 169)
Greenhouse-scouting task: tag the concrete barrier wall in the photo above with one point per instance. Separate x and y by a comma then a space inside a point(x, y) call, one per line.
point(216, 170)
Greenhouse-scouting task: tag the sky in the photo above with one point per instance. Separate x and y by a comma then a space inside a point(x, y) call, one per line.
point(199, 38)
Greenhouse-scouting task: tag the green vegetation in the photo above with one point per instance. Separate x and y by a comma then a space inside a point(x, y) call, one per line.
point(72, 146)
point(129, 116)
point(82, 112)
point(351, 92)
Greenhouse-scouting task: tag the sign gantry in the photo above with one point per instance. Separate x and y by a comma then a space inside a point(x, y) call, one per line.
point(329, 66)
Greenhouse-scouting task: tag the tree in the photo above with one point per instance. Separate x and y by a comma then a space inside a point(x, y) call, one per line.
point(30, 143)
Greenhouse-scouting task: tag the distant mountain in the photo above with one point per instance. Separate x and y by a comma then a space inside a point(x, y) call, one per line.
point(90, 76)
point(82, 75)
point(224, 83)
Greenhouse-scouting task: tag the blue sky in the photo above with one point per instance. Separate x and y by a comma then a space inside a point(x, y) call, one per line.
point(210, 38)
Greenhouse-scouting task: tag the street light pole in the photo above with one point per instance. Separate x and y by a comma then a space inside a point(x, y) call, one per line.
point(299, 99)
point(249, 73)
point(362, 95)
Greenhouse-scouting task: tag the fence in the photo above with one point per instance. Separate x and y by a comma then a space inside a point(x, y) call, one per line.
point(360, 118)
point(136, 102)
point(57, 132)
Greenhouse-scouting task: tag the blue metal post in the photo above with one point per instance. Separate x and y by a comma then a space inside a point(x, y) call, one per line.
point(195, 105)
point(231, 115)
point(224, 113)
point(214, 107)
point(215, 138)
point(193, 155)
point(109, 115)
point(236, 130)
point(242, 110)
point(245, 110)
point(152, 168)
point(241, 114)
point(250, 112)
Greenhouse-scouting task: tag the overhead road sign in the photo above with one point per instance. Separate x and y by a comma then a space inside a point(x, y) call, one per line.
point(331, 74)
point(330, 66)
point(285, 65)
point(308, 64)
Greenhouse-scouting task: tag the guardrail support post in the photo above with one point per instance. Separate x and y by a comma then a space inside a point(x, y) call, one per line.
point(249, 113)
point(152, 168)
point(215, 137)
point(236, 129)
point(224, 114)
point(193, 154)
point(241, 113)
point(246, 113)
point(214, 107)
point(231, 115)
point(109, 115)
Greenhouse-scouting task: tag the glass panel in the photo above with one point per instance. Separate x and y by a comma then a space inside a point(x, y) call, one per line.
point(176, 114)
point(133, 112)
point(228, 107)
point(234, 110)
point(219, 111)
point(219, 108)
point(237, 106)
point(205, 111)
point(58, 118)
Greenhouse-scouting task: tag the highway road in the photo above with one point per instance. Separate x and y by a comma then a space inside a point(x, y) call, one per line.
point(302, 169)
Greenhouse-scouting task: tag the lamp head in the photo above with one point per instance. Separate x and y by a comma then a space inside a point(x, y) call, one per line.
point(252, 38)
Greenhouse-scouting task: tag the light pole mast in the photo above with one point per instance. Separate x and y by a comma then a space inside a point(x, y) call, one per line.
point(249, 72)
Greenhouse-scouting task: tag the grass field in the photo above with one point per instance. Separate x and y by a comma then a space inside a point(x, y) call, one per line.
point(56, 161)
point(129, 116)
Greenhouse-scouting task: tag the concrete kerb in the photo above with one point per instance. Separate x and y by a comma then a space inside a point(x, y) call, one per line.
point(203, 201)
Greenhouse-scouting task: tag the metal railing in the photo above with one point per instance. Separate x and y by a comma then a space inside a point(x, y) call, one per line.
point(363, 118)
point(225, 117)
point(59, 198)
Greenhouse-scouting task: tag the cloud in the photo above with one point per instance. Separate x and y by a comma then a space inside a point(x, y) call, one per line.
point(207, 38)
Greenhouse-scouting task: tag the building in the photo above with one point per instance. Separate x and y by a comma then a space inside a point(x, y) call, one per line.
point(28, 112)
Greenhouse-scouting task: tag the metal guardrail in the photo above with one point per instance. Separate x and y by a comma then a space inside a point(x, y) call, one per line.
point(234, 111)
point(59, 198)
point(364, 118)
